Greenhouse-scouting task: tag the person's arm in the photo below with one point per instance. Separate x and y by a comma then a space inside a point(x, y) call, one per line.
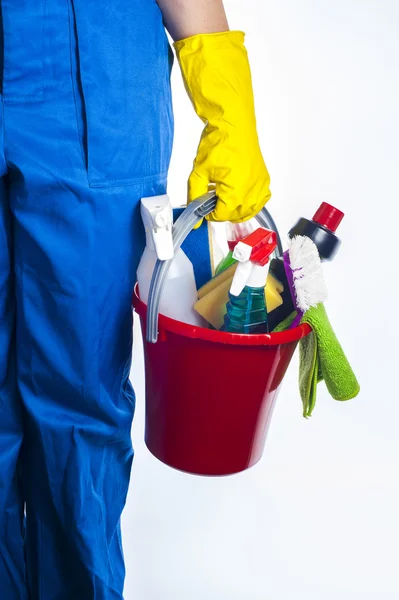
point(184, 18)
point(217, 76)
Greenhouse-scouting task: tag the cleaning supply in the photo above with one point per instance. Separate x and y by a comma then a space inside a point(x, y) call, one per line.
point(217, 76)
point(219, 244)
point(321, 230)
point(304, 274)
point(246, 310)
point(214, 296)
point(321, 358)
point(216, 281)
point(216, 422)
point(199, 247)
point(180, 291)
point(235, 232)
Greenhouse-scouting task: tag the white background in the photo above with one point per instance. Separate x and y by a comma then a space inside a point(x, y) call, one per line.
point(317, 519)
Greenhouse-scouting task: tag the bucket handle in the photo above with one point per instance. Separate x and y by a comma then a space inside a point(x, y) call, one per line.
point(196, 210)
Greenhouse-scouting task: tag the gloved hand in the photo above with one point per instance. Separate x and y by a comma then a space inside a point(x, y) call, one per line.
point(217, 77)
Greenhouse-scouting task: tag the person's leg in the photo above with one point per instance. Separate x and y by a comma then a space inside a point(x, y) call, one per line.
point(76, 253)
point(85, 132)
point(12, 562)
point(13, 583)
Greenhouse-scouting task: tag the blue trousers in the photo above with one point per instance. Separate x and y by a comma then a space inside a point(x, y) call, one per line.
point(86, 130)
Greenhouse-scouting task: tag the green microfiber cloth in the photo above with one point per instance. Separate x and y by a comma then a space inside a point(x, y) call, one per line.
point(321, 357)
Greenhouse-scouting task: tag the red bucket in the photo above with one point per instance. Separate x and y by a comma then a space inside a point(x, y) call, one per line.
point(210, 394)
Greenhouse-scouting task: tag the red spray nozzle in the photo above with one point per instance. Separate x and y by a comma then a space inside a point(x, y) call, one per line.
point(256, 247)
point(253, 254)
point(328, 216)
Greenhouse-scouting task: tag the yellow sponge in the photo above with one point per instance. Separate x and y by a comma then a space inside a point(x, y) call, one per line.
point(216, 281)
point(213, 297)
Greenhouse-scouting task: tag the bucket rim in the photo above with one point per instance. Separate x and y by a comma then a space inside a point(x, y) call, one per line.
point(166, 324)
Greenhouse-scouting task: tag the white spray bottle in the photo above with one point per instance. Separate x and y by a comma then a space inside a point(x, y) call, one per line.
point(180, 291)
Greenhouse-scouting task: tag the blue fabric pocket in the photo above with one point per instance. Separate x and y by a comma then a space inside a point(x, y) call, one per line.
point(122, 90)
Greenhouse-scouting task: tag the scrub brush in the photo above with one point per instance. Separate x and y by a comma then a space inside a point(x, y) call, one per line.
point(305, 275)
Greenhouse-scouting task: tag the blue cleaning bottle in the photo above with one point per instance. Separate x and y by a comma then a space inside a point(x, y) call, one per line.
point(246, 309)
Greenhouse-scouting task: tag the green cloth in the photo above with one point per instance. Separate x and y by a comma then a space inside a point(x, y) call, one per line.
point(321, 357)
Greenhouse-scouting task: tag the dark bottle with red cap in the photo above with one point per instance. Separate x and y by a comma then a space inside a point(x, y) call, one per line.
point(321, 230)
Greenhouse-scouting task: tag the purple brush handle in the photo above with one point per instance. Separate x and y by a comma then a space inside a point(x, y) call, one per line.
point(290, 279)
point(297, 319)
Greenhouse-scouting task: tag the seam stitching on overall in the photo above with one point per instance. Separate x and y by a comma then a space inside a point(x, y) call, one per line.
point(32, 99)
point(128, 181)
point(73, 32)
point(3, 137)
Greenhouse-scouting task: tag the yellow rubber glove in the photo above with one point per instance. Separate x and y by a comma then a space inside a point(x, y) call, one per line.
point(217, 77)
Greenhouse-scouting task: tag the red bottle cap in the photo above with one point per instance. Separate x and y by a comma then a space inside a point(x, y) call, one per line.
point(328, 216)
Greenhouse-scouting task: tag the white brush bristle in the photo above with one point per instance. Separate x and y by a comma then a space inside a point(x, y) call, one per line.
point(310, 287)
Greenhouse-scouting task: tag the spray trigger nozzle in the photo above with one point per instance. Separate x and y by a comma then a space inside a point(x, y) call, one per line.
point(157, 215)
point(256, 247)
point(253, 254)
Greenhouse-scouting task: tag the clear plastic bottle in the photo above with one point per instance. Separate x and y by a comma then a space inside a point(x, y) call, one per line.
point(247, 312)
point(180, 292)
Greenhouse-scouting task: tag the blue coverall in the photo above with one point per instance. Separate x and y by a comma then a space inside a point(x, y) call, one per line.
point(86, 131)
